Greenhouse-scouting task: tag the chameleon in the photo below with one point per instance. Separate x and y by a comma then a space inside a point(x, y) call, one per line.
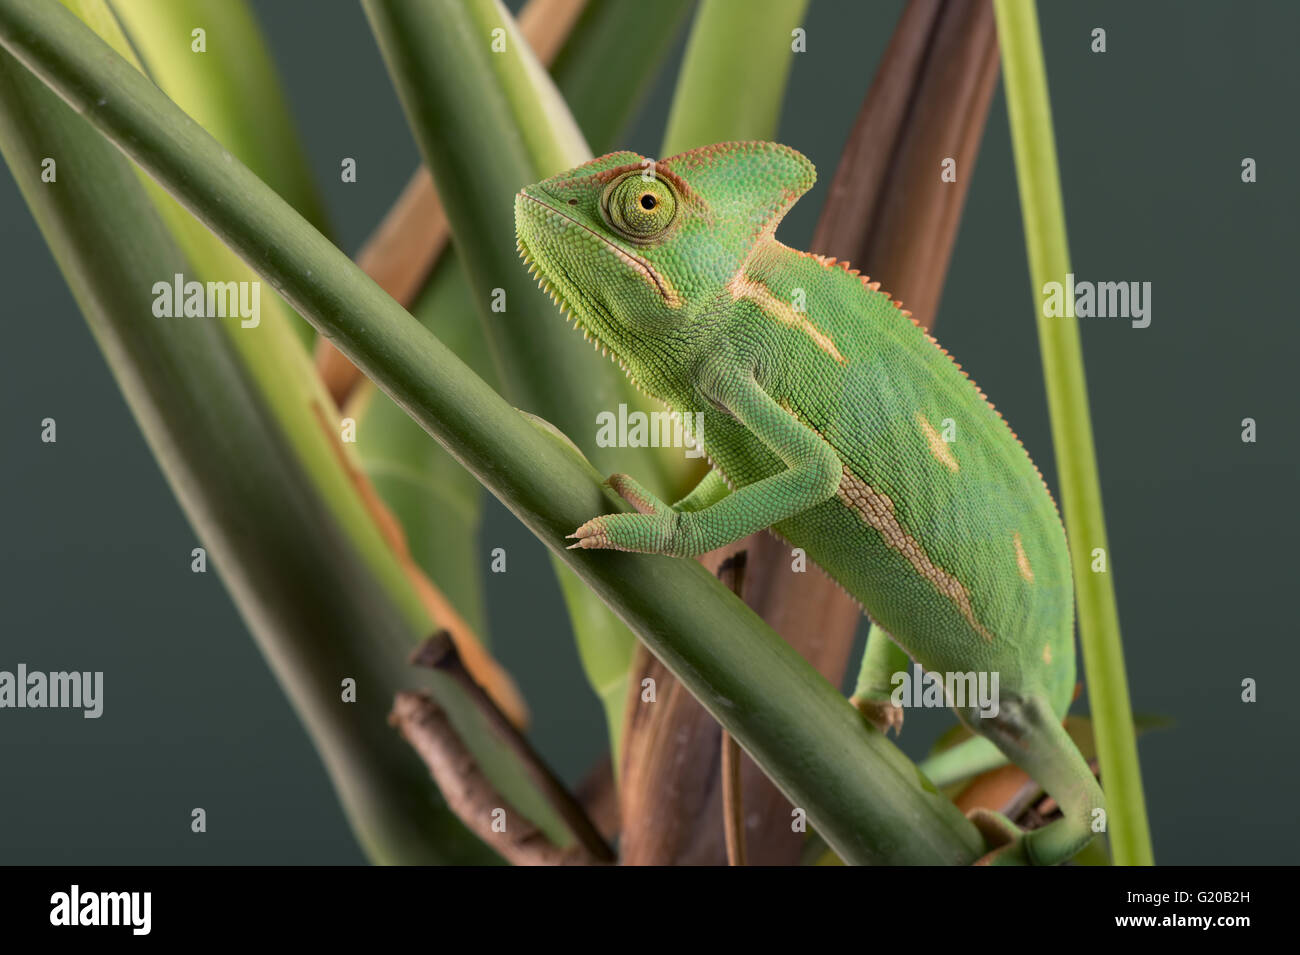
point(833, 419)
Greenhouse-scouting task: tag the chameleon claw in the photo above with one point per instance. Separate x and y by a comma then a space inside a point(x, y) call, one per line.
point(882, 714)
point(590, 536)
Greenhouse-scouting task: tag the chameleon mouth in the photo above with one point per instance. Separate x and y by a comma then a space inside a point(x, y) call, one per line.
point(638, 264)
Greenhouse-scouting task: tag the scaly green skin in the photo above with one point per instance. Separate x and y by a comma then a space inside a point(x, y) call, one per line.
point(825, 407)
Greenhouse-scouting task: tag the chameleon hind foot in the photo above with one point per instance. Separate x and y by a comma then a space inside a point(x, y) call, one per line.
point(1003, 839)
point(874, 693)
point(880, 713)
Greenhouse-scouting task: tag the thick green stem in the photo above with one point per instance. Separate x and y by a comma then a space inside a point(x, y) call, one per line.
point(1076, 458)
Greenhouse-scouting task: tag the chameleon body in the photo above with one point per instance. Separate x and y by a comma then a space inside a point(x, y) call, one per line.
point(832, 418)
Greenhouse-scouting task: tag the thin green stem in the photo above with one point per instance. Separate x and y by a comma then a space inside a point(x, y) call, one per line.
point(1076, 458)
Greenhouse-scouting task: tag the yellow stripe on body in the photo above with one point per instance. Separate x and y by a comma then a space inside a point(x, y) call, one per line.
point(938, 447)
point(877, 511)
point(1022, 559)
point(753, 290)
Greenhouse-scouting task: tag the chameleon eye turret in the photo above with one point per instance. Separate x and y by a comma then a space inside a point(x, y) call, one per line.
point(640, 208)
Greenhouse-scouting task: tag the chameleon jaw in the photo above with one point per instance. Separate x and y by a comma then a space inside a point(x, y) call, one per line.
point(568, 312)
point(635, 262)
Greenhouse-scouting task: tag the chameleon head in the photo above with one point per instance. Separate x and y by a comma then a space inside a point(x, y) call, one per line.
point(638, 249)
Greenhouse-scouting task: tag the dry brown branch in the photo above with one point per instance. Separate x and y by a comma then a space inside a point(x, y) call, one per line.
point(888, 211)
point(468, 791)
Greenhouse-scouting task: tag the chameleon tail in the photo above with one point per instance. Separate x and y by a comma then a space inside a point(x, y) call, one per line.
point(1032, 737)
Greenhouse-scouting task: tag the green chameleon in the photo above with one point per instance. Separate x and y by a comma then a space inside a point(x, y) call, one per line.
point(826, 410)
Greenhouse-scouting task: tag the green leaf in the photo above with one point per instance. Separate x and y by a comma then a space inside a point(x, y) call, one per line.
point(243, 106)
point(608, 65)
point(437, 502)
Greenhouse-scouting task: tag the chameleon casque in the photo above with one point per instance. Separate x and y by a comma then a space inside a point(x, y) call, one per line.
point(823, 404)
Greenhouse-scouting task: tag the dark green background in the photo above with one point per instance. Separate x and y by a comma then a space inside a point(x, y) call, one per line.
point(94, 561)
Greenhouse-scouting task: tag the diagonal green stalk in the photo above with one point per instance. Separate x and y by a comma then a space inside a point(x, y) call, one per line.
point(868, 801)
point(1076, 458)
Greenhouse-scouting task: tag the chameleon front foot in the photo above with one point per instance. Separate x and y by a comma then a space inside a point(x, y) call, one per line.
point(653, 530)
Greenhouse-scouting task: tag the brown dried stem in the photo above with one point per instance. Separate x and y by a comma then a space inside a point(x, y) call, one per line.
point(467, 789)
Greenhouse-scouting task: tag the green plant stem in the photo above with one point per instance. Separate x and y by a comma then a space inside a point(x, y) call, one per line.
point(1076, 459)
point(868, 801)
point(733, 75)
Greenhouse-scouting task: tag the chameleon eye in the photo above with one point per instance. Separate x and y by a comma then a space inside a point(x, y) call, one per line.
point(641, 209)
